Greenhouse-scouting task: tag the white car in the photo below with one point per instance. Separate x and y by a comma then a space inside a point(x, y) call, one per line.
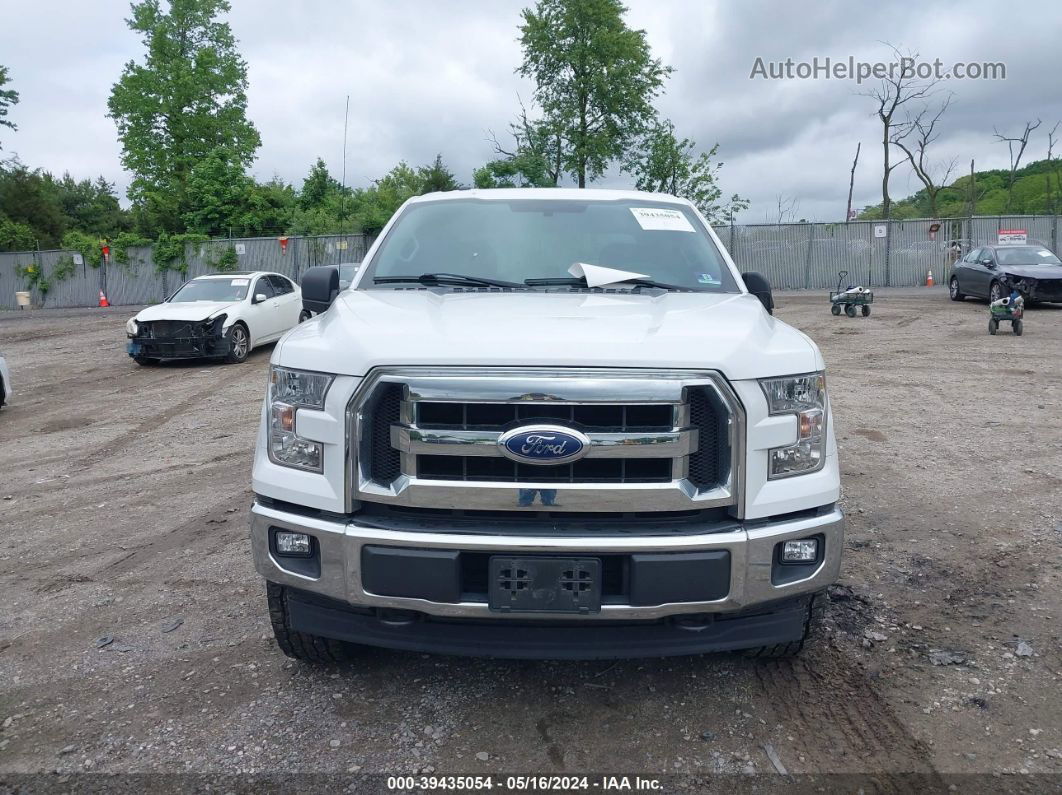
point(5, 382)
point(220, 316)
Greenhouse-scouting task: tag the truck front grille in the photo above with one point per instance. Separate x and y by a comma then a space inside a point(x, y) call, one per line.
point(658, 440)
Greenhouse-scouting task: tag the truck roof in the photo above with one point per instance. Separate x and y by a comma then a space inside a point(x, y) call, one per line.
point(545, 194)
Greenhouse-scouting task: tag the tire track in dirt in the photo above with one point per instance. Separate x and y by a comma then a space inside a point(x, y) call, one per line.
point(834, 707)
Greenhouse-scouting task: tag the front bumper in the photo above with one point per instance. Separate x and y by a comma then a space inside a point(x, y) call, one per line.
point(178, 347)
point(337, 573)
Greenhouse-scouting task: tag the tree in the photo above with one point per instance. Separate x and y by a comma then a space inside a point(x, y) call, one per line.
point(892, 93)
point(595, 80)
point(664, 164)
point(187, 100)
point(318, 187)
point(8, 98)
point(534, 161)
point(218, 195)
point(1019, 142)
point(437, 177)
point(914, 138)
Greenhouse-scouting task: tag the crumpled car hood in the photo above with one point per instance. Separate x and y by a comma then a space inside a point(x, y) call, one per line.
point(1033, 271)
point(188, 310)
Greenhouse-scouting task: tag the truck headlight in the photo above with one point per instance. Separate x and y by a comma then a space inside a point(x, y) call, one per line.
point(805, 397)
point(290, 390)
point(131, 327)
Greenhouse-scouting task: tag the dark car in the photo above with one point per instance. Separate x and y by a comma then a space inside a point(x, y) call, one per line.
point(993, 271)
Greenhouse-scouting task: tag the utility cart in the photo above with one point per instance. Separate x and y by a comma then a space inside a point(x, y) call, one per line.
point(852, 300)
point(1011, 308)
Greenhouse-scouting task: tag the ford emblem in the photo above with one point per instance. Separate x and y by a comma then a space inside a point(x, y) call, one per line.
point(544, 444)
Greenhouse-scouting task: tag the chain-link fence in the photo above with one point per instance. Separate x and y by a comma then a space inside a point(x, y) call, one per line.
point(139, 282)
point(875, 253)
point(792, 256)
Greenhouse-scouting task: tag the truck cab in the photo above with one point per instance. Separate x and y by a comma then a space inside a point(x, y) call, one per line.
point(545, 423)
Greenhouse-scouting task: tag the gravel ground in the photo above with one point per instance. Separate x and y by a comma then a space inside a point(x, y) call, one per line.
point(134, 635)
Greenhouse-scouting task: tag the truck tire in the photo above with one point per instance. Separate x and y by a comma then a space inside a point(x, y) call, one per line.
point(299, 645)
point(815, 613)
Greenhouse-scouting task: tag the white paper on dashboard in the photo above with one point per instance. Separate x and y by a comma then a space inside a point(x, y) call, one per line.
point(659, 219)
point(599, 276)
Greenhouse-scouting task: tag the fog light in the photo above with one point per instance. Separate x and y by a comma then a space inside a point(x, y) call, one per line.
point(294, 544)
point(806, 550)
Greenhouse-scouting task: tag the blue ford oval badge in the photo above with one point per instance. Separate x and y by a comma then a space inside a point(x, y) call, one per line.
point(544, 444)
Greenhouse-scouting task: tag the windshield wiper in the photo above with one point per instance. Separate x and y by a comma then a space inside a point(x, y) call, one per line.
point(580, 281)
point(446, 278)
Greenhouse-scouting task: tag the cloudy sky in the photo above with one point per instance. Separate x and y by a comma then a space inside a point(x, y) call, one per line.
point(427, 77)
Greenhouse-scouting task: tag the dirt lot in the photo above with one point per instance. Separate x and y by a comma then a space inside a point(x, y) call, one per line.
point(124, 513)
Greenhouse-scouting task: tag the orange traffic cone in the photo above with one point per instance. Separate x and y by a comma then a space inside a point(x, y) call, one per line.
point(929, 279)
point(103, 299)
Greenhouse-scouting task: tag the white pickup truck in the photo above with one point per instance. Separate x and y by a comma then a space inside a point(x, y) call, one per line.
point(545, 423)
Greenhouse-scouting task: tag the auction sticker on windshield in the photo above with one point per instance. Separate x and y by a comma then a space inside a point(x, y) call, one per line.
point(240, 282)
point(657, 219)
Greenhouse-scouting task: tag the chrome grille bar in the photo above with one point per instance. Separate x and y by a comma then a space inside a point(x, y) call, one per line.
point(666, 444)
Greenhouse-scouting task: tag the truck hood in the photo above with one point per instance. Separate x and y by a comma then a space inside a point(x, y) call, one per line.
point(184, 310)
point(369, 328)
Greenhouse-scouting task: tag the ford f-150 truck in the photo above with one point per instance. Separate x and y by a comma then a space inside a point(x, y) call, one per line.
point(545, 423)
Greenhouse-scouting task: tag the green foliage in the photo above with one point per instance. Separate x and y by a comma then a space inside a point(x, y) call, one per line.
point(34, 277)
point(227, 260)
point(120, 249)
point(86, 245)
point(170, 252)
point(1037, 191)
point(664, 164)
point(187, 100)
point(7, 99)
point(437, 177)
point(49, 208)
point(595, 79)
point(15, 236)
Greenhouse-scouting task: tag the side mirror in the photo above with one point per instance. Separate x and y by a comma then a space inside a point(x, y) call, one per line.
point(260, 298)
point(758, 285)
point(320, 286)
point(988, 263)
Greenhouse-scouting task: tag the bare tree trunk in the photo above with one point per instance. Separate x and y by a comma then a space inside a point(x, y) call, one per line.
point(851, 185)
point(885, 203)
point(972, 199)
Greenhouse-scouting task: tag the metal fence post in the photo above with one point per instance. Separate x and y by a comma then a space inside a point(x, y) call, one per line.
point(1054, 234)
point(807, 261)
point(888, 247)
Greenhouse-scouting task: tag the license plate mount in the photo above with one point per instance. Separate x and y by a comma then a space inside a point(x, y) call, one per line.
point(544, 584)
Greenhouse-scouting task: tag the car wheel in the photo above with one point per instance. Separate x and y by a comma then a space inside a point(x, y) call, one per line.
point(850, 310)
point(993, 325)
point(145, 361)
point(1016, 327)
point(304, 315)
point(866, 310)
point(953, 290)
point(835, 310)
point(995, 292)
point(239, 343)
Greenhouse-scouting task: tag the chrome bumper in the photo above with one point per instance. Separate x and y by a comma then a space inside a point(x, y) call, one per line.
point(751, 549)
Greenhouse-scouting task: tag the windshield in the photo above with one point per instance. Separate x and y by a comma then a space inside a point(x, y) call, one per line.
point(212, 290)
point(511, 241)
point(1026, 255)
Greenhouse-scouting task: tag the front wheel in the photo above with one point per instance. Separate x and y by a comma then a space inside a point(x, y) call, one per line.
point(835, 310)
point(816, 610)
point(850, 310)
point(1016, 327)
point(953, 290)
point(995, 292)
point(299, 645)
point(239, 344)
point(993, 326)
point(866, 310)
point(305, 315)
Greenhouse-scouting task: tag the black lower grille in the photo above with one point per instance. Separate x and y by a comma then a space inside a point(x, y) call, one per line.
point(383, 410)
point(588, 470)
point(158, 329)
point(709, 466)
